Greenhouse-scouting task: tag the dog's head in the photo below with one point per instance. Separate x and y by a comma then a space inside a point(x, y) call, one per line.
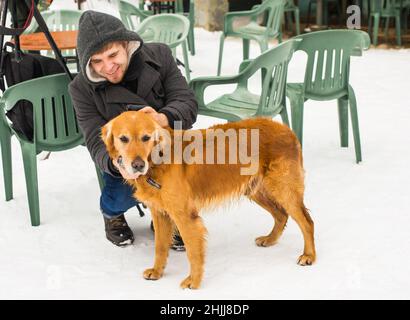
point(130, 139)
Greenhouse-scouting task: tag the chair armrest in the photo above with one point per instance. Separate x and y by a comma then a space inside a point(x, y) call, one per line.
point(176, 43)
point(364, 45)
point(231, 16)
point(198, 85)
point(244, 64)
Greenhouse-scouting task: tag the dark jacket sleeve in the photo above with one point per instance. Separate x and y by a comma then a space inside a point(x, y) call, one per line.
point(180, 103)
point(90, 122)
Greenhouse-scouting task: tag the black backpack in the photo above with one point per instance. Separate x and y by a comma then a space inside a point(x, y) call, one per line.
point(30, 67)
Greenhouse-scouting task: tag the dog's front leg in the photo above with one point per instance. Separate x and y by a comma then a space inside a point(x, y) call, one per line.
point(193, 232)
point(163, 239)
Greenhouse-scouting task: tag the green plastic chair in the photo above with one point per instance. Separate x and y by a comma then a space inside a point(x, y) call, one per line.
point(253, 30)
point(129, 12)
point(290, 8)
point(171, 29)
point(179, 8)
point(385, 9)
point(241, 103)
point(55, 129)
point(327, 78)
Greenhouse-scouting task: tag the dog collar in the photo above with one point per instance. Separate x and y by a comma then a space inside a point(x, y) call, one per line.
point(153, 183)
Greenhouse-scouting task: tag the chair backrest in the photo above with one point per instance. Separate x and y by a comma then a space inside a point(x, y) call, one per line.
point(274, 66)
point(170, 29)
point(129, 12)
point(328, 60)
point(55, 123)
point(62, 20)
point(385, 6)
point(57, 20)
point(274, 12)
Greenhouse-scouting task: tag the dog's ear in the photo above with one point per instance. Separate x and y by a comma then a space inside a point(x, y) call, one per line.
point(107, 137)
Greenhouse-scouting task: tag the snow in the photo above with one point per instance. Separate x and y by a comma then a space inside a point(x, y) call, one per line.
point(361, 212)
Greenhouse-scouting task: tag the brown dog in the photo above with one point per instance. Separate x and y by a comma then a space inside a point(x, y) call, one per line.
point(176, 193)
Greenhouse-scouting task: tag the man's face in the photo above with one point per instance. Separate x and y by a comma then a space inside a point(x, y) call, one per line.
point(112, 63)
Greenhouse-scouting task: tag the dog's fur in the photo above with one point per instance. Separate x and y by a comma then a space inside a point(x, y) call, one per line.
point(277, 186)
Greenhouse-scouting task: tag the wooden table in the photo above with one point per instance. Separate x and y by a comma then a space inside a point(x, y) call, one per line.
point(64, 40)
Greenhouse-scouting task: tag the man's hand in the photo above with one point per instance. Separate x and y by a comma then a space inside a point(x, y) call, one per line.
point(160, 118)
point(125, 174)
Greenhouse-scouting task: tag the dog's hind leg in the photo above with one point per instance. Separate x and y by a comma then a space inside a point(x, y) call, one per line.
point(193, 233)
point(286, 187)
point(163, 238)
point(299, 213)
point(267, 202)
point(295, 208)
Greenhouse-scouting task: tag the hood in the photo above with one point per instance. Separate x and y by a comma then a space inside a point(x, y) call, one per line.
point(96, 29)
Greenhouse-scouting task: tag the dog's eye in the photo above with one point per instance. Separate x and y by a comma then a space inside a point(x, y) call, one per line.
point(145, 138)
point(124, 139)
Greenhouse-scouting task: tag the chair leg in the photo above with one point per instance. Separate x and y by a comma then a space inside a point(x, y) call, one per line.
point(246, 43)
point(289, 23)
point(355, 124)
point(341, 14)
point(186, 62)
point(309, 14)
point(343, 110)
point(398, 31)
point(30, 171)
point(325, 13)
point(263, 44)
point(191, 41)
point(296, 108)
point(221, 49)
point(376, 29)
point(297, 21)
point(369, 30)
point(5, 140)
point(386, 29)
point(284, 116)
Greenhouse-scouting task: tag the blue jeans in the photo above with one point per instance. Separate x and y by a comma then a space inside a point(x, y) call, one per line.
point(116, 197)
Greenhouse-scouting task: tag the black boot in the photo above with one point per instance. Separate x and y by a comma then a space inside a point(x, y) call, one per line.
point(177, 242)
point(118, 231)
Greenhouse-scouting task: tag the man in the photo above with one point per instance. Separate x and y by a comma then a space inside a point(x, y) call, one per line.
point(119, 73)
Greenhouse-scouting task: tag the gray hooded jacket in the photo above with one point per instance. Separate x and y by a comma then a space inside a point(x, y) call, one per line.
point(152, 79)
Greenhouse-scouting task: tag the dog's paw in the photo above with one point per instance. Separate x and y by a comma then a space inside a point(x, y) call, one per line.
point(264, 241)
point(152, 274)
point(306, 260)
point(189, 283)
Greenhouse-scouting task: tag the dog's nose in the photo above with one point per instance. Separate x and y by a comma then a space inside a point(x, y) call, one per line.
point(138, 164)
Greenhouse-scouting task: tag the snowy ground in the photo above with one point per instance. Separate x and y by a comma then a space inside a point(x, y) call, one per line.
point(361, 212)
